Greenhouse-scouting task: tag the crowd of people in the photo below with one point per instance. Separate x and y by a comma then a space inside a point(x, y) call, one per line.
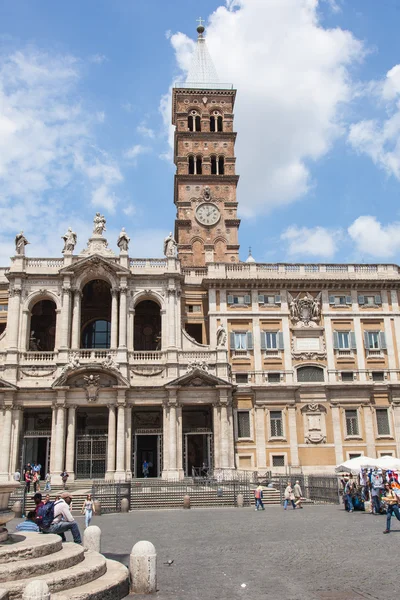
point(374, 490)
point(56, 517)
point(32, 477)
point(292, 495)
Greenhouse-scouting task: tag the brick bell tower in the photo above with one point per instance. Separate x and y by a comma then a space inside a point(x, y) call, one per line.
point(206, 225)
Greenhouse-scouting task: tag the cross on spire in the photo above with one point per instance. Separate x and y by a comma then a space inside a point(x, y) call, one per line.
point(200, 21)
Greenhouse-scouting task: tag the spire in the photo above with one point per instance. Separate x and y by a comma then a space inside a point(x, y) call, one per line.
point(250, 258)
point(202, 72)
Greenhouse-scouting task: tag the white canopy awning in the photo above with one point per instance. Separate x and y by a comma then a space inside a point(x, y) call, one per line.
point(355, 464)
point(389, 463)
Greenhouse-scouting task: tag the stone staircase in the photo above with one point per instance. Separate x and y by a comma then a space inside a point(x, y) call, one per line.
point(69, 571)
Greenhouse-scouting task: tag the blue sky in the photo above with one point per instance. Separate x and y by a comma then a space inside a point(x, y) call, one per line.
point(84, 122)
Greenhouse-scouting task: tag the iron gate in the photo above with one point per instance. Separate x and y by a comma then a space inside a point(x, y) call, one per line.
point(91, 456)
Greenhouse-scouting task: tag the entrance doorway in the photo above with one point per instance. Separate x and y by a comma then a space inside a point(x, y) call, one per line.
point(37, 450)
point(198, 454)
point(148, 447)
point(91, 443)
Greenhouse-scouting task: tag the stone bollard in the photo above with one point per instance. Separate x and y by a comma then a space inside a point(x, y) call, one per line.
point(143, 568)
point(92, 538)
point(36, 590)
point(240, 501)
point(186, 501)
point(124, 505)
point(97, 507)
point(17, 509)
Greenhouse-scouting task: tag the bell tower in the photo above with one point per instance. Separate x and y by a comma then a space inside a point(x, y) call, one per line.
point(206, 225)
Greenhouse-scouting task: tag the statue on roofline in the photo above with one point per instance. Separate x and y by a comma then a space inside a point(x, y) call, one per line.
point(170, 246)
point(99, 224)
point(70, 239)
point(20, 243)
point(123, 241)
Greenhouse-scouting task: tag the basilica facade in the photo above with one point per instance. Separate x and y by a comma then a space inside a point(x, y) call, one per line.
point(195, 361)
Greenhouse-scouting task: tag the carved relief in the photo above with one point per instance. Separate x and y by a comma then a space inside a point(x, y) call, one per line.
point(305, 311)
point(92, 385)
point(314, 423)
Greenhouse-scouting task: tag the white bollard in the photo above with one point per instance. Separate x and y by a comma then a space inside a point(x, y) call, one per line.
point(92, 538)
point(143, 568)
point(36, 590)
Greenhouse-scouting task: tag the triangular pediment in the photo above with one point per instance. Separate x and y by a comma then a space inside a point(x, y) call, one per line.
point(75, 377)
point(95, 262)
point(5, 385)
point(198, 378)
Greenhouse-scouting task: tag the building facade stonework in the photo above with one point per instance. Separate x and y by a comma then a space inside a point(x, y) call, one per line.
point(195, 361)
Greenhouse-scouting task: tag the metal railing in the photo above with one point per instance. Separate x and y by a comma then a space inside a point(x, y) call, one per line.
point(320, 489)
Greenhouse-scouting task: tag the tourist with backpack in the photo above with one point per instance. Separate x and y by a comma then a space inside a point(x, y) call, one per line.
point(55, 517)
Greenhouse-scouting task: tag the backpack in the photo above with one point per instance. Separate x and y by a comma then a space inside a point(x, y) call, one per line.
point(45, 515)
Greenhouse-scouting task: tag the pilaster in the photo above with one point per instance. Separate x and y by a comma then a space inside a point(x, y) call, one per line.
point(369, 431)
point(70, 445)
point(337, 434)
point(111, 442)
point(294, 448)
point(260, 438)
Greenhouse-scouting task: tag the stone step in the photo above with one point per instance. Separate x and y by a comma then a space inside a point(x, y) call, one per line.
point(91, 568)
point(69, 556)
point(113, 585)
point(31, 545)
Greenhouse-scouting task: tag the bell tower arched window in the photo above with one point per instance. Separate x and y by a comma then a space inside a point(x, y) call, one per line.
point(190, 123)
point(219, 123)
point(212, 123)
point(213, 165)
point(191, 165)
point(194, 121)
point(199, 165)
point(221, 165)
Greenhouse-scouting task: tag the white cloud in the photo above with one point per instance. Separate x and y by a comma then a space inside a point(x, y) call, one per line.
point(49, 163)
point(292, 77)
point(135, 151)
point(129, 210)
point(314, 241)
point(379, 138)
point(97, 59)
point(145, 131)
point(373, 238)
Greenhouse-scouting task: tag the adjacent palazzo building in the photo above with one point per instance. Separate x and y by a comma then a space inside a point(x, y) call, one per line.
point(196, 360)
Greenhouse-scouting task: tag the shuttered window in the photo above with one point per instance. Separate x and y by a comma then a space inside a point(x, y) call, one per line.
point(269, 299)
point(244, 299)
point(375, 340)
point(352, 422)
point(275, 417)
point(243, 424)
point(241, 340)
point(344, 340)
point(382, 421)
point(271, 340)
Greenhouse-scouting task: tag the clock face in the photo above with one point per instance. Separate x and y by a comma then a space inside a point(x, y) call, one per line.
point(207, 214)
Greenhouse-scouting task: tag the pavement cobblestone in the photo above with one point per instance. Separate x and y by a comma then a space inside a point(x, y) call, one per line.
point(319, 553)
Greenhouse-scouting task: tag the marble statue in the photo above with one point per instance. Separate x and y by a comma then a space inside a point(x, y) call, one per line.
point(221, 336)
point(123, 241)
point(170, 246)
point(99, 224)
point(70, 239)
point(20, 243)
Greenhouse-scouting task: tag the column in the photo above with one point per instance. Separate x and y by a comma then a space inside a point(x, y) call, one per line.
point(287, 353)
point(224, 436)
point(165, 466)
point(114, 318)
point(111, 442)
point(53, 438)
point(212, 309)
point(17, 418)
point(164, 329)
point(231, 436)
point(65, 317)
point(128, 442)
point(257, 347)
point(76, 321)
point(58, 326)
point(23, 342)
point(13, 316)
point(171, 317)
point(6, 444)
point(294, 449)
point(60, 440)
point(130, 335)
point(260, 438)
point(396, 419)
point(369, 431)
point(70, 446)
point(337, 434)
point(329, 349)
point(120, 470)
point(390, 348)
point(359, 337)
point(172, 439)
point(217, 436)
point(179, 441)
point(122, 317)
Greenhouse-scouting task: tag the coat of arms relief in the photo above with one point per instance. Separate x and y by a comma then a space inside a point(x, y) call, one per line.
point(305, 311)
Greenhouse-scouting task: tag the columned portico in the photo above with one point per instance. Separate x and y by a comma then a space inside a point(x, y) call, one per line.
point(59, 434)
point(111, 442)
point(70, 446)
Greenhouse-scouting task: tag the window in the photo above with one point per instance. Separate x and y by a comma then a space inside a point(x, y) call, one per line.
point(271, 340)
point(3, 306)
point(221, 166)
point(378, 376)
point(264, 299)
point(351, 455)
point(243, 424)
point(220, 123)
point(310, 374)
point(340, 300)
point(199, 165)
point(274, 377)
point(97, 334)
point(344, 340)
point(351, 422)
point(242, 378)
point(276, 423)
point(347, 376)
point(213, 165)
point(195, 165)
point(374, 340)
point(278, 460)
point(193, 308)
point(191, 165)
point(212, 123)
point(217, 165)
point(382, 421)
point(241, 340)
point(370, 300)
point(244, 299)
point(194, 121)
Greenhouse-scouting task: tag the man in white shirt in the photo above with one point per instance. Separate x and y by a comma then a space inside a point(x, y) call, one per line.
point(63, 521)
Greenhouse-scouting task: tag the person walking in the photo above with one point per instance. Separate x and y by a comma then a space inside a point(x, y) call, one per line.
point(392, 506)
point(88, 509)
point(36, 482)
point(289, 496)
point(47, 485)
point(64, 478)
point(298, 494)
point(28, 479)
point(145, 469)
point(258, 495)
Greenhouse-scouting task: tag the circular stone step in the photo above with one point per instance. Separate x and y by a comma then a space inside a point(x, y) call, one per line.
point(31, 545)
point(113, 585)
